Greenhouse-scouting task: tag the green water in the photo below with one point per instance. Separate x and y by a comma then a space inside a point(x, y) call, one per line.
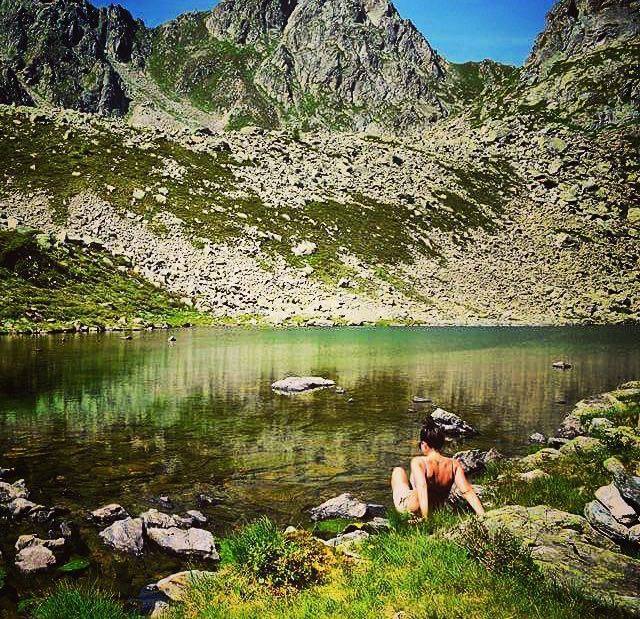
point(91, 419)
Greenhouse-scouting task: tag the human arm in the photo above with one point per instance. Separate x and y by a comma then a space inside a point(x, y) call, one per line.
point(419, 477)
point(466, 490)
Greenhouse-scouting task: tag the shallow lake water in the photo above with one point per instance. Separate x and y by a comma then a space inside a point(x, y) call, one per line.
point(92, 419)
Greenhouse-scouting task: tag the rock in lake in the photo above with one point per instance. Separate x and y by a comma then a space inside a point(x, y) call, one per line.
point(562, 365)
point(601, 520)
point(611, 498)
point(299, 384)
point(346, 506)
point(475, 461)
point(108, 514)
point(451, 424)
point(11, 492)
point(188, 543)
point(125, 535)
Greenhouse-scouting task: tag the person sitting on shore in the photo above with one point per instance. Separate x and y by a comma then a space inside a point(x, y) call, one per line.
point(431, 478)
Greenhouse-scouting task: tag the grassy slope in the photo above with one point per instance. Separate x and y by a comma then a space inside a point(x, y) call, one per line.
point(216, 76)
point(46, 285)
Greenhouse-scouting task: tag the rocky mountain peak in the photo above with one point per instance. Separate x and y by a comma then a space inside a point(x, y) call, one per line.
point(250, 21)
point(579, 26)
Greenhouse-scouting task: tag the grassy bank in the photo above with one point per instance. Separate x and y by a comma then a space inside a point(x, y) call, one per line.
point(46, 285)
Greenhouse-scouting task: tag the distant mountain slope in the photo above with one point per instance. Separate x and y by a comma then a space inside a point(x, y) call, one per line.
point(63, 52)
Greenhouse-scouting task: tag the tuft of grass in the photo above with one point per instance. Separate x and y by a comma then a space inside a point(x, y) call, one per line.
point(78, 602)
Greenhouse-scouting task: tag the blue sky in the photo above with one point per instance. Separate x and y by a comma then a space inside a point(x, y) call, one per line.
point(460, 30)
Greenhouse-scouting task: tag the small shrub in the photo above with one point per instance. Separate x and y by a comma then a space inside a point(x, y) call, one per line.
point(278, 560)
point(73, 602)
point(498, 550)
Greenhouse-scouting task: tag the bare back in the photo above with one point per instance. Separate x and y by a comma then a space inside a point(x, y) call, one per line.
point(440, 474)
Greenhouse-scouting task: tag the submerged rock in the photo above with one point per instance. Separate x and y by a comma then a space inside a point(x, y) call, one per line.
point(475, 461)
point(451, 424)
point(346, 506)
point(570, 551)
point(298, 384)
point(125, 535)
point(188, 543)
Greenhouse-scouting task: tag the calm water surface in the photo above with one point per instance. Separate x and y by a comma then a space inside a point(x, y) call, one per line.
point(88, 420)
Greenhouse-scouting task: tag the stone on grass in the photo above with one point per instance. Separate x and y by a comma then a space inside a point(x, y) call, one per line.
point(346, 506)
point(475, 461)
point(611, 498)
point(451, 424)
point(627, 484)
point(601, 519)
point(298, 384)
point(125, 535)
point(196, 543)
point(108, 514)
point(176, 585)
point(347, 541)
point(581, 445)
point(569, 551)
point(534, 460)
point(534, 475)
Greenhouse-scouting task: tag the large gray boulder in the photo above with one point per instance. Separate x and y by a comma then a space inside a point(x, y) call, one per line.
point(196, 543)
point(601, 519)
point(125, 535)
point(475, 461)
point(627, 484)
point(298, 384)
point(346, 506)
point(611, 498)
point(570, 551)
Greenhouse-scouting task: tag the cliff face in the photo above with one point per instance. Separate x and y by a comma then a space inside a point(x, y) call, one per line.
point(354, 59)
point(64, 52)
point(575, 27)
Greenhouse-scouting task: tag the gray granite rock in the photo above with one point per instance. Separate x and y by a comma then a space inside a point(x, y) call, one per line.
point(125, 536)
point(193, 542)
point(451, 424)
point(346, 506)
point(612, 500)
point(108, 514)
point(299, 384)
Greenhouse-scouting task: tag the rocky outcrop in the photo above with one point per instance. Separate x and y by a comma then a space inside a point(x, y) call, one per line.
point(569, 550)
point(66, 52)
point(11, 90)
point(250, 21)
point(356, 59)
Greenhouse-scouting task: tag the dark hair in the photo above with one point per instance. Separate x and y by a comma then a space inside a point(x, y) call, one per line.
point(432, 434)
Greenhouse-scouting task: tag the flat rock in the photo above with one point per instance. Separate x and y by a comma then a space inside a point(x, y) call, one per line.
point(176, 585)
point(19, 508)
point(475, 461)
point(612, 500)
point(451, 424)
point(34, 559)
point(601, 519)
point(346, 541)
point(346, 506)
point(109, 514)
point(125, 535)
point(568, 549)
point(188, 543)
point(299, 384)
point(29, 541)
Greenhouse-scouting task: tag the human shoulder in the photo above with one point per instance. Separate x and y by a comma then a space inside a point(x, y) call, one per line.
point(419, 461)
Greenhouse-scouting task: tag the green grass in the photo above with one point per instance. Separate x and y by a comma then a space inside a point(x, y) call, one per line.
point(49, 286)
point(69, 601)
point(406, 571)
